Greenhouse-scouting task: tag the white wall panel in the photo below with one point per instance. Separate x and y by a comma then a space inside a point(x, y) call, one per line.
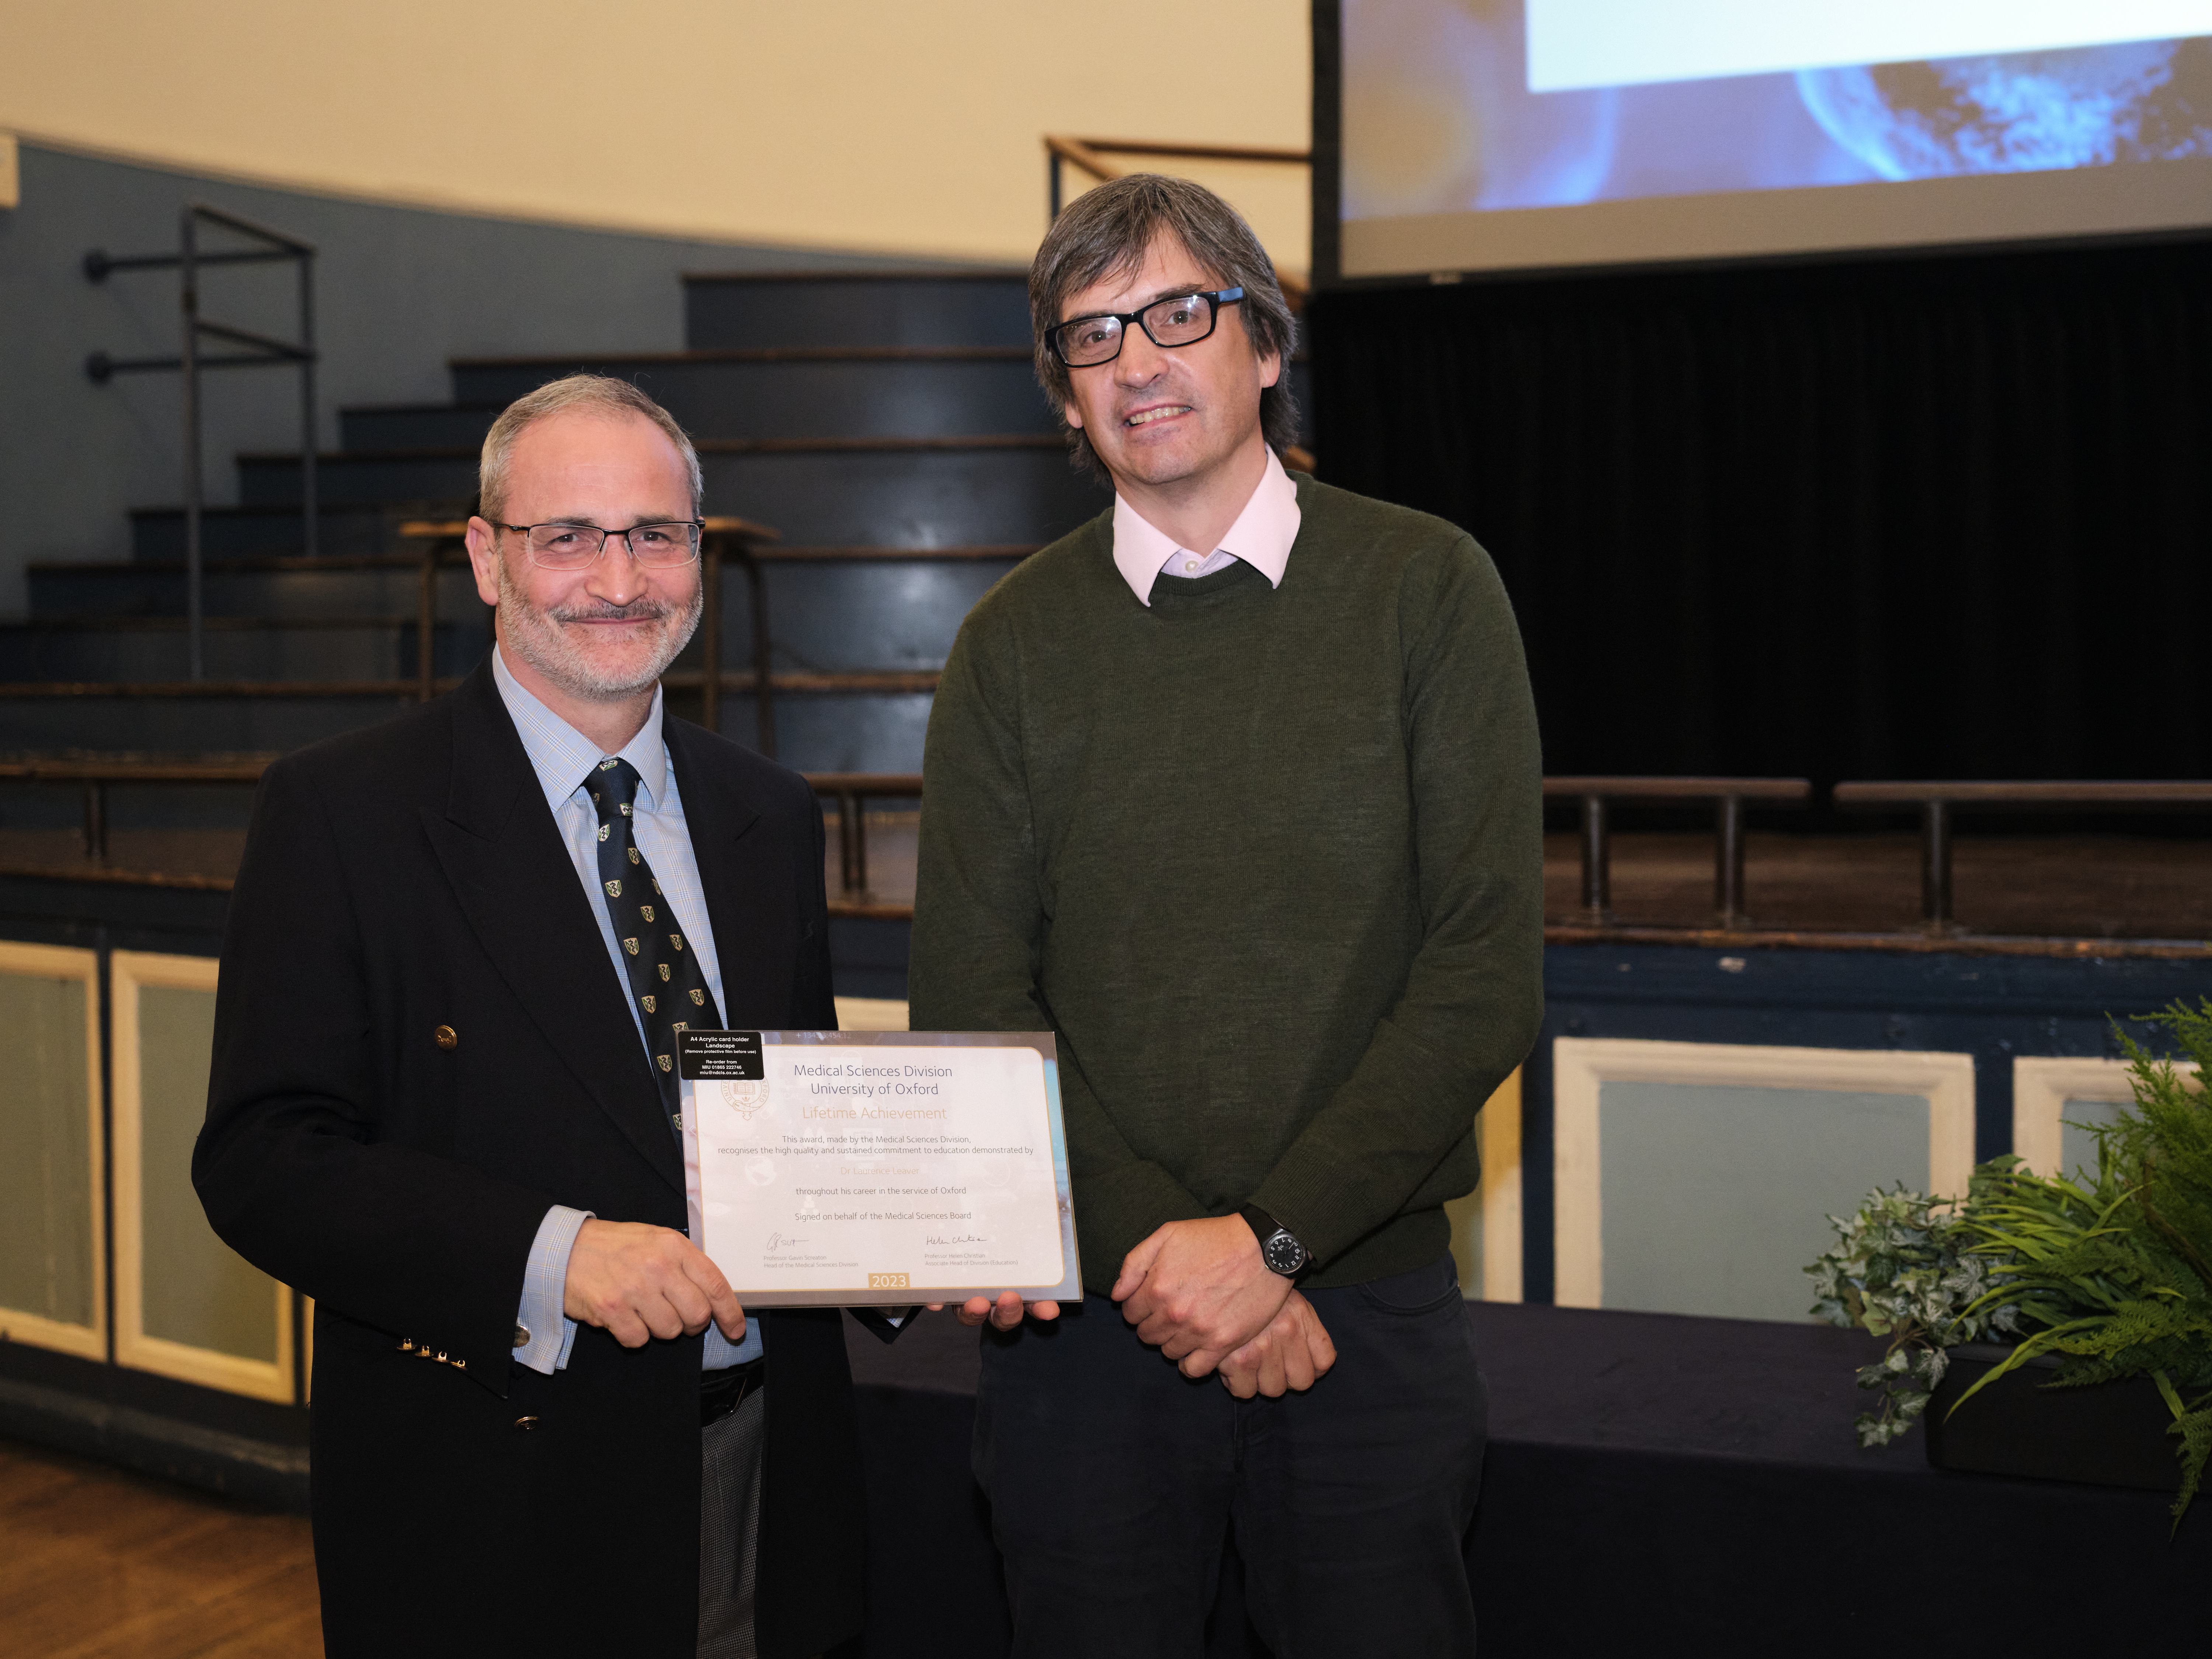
point(1695, 1177)
point(52, 1259)
point(187, 1305)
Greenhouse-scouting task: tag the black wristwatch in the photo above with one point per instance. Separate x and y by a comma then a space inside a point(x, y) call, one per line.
point(1279, 1248)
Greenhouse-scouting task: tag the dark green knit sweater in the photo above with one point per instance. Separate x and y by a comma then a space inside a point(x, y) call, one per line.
point(1270, 862)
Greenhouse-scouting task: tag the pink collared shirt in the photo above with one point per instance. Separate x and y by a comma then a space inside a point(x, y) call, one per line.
point(1261, 537)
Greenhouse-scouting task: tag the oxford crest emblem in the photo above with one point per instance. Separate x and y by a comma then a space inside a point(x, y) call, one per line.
point(744, 1099)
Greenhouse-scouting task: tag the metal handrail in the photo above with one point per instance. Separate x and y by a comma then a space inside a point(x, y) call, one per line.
point(1090, 155)
point(261, 351)
point(853, 790)
point(96, 772)
point(1729, 796)
point(850, 790)
point(1938, 802)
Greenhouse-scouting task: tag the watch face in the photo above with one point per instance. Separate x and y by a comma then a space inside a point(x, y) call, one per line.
point(1284, 1253)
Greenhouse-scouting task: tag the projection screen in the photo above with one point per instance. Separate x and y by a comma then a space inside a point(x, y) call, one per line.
point(1484, 135)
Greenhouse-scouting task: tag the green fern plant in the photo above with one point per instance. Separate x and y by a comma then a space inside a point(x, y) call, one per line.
point(2109, 1271)
point(2118, 1276)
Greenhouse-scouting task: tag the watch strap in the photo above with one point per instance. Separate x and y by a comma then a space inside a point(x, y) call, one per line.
point(1265, 1227)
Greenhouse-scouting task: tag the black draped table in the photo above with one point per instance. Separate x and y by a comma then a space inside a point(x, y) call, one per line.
point(1655, 1484)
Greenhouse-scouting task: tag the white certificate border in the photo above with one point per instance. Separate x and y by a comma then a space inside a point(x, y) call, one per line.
point(1070, 1287)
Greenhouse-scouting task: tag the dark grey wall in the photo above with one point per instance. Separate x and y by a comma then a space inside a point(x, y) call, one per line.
point(399, 291)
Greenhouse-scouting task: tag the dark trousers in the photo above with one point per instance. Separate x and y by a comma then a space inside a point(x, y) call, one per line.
point(1114, 1480)
point(729, 1527)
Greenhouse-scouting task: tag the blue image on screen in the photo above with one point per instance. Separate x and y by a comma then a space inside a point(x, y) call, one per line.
point(1438, 118)
point(2025, 113)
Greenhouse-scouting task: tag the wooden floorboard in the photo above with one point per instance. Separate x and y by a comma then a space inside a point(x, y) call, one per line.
point(97, 1564)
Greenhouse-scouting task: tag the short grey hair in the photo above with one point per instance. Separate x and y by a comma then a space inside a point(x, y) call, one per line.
point(1106, 232)
point(595, 394)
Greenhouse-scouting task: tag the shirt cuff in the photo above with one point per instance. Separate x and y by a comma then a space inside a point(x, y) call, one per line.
point(720, 1351)
point(544, 1333)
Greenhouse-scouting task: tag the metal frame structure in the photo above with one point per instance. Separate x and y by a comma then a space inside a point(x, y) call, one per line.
point(1593, 797)
point(1937, 803)
point(1728, 796)
point(253, 350)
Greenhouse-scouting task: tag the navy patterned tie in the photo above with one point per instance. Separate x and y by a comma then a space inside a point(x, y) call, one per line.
point(664, 975)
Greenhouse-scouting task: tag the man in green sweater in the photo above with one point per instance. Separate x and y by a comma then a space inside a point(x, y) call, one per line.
point(1236, 788)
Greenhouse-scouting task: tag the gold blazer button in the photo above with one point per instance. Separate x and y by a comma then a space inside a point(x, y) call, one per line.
point(445, 1037)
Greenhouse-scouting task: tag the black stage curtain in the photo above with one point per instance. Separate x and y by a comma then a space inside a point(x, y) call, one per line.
point(1907, 519)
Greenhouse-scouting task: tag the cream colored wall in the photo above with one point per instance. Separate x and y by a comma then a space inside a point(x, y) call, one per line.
point(907, 127)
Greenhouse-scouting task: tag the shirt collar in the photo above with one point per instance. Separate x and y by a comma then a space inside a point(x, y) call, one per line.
point(562, 755)
point(1261, 536)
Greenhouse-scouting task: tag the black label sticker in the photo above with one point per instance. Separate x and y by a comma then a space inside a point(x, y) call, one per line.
point(734, 1056)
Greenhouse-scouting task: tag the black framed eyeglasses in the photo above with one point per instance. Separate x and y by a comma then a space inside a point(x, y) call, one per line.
point(559, 546)
point(1185, 319)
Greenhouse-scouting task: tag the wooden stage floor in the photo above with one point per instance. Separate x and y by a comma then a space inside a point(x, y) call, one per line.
point(96, 1563)
point(2080, 887)
point(2038, 886)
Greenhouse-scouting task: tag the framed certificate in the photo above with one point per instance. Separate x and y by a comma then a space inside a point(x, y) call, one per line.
point(841, 1169)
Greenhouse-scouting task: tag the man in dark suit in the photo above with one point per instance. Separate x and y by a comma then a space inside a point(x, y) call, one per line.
point(442, 1106)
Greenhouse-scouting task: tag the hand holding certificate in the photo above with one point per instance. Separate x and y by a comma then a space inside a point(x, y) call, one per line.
point(884, 1168)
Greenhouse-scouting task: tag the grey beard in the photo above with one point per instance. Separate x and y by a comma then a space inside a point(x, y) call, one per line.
point(535, 637)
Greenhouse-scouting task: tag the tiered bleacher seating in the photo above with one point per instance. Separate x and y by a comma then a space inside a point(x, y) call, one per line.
point(886, 425)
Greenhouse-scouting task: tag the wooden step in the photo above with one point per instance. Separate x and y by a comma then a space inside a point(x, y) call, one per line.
point(913, 308)
point(1007, 552)
point(892, 682)
point(836, 392)
point(824, 722)
point(412, 426)
point(143, 650)
point(989, 489)
point(273, 589)
point(831, 609)
point(191, 717)
point(264, 529)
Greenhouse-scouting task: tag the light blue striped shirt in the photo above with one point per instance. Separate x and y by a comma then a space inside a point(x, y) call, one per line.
point(563, 757)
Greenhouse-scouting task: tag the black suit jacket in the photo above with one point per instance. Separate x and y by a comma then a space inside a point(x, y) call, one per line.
point(410, 878)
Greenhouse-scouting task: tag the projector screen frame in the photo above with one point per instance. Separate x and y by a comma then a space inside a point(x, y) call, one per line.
point(2087, 193)
point(1325, 265)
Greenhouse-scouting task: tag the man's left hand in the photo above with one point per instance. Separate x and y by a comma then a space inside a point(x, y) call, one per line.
point(1198, 1290)
point(1291, 1355)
